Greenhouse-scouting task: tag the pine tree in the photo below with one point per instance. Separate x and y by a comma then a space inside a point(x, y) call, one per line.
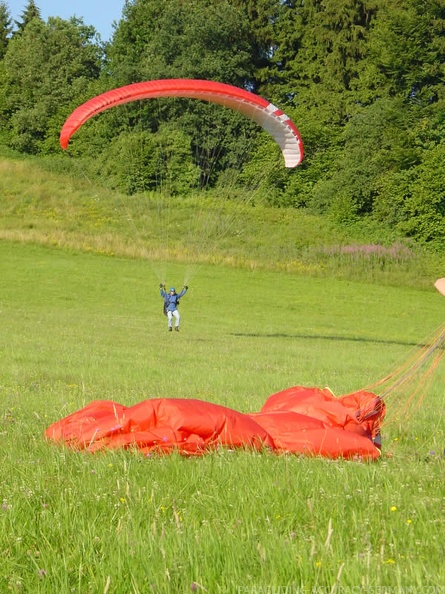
point(31, 11)
point(5, 28)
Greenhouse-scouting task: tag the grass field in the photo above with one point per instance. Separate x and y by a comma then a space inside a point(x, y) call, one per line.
point(81, 319)
point(78, 327)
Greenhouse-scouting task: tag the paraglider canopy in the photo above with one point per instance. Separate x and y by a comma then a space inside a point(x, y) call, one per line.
point(261, 111)
point(440, 285)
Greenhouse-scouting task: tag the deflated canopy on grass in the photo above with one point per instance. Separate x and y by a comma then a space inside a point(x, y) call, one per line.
point(299, 420)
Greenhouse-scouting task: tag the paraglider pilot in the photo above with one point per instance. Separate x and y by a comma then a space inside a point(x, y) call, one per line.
point(171, 302)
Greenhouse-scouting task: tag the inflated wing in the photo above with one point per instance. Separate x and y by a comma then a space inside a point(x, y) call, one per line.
point(261, 111)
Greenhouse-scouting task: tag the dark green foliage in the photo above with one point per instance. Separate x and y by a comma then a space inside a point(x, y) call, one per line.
point(44, 67)
point(413, 201)
point(351, 188)
point(266, 24)
point(138, 162)
point(406, 51)
point(325, 59)
point(189, 39)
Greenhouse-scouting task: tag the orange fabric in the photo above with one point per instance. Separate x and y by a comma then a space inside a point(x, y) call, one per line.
point(299, 420)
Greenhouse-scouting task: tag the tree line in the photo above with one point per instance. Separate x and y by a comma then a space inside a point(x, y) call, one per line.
point(363, 80)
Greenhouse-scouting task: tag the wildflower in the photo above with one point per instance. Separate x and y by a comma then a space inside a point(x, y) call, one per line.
point(318, 564)
point(393, 508)
point(390, 562)
point(194, 586)
point(409, 521)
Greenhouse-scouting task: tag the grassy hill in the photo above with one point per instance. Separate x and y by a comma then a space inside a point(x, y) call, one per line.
point(52, 202)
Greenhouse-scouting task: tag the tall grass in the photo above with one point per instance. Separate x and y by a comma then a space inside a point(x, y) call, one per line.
point(81, 326)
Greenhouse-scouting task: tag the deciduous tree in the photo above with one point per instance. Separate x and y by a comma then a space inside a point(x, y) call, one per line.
point(44, 69)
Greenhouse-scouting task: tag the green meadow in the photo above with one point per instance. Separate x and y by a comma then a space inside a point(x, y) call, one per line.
point(81, 319)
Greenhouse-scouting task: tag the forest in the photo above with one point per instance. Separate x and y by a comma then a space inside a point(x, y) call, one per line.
point(363, 80)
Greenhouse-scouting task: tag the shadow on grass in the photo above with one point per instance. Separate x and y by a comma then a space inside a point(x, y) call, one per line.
point(325, 337)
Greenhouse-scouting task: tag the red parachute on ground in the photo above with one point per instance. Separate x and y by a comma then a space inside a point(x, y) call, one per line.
point(299, 420)
point(258, 109)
